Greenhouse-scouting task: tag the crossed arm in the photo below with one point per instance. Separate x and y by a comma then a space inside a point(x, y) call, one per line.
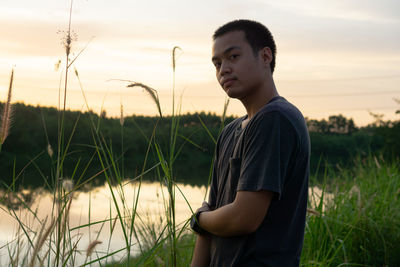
point(243, 216)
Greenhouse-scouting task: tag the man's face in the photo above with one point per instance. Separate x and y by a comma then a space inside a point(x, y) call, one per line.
point(238, 70)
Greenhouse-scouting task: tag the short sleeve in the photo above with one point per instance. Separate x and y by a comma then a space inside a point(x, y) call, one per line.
point(268, 144)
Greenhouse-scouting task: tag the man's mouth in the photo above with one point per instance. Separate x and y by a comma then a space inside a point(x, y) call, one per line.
point(228, 82)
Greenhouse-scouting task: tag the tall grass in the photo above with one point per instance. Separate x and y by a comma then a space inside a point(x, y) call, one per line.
point(353, 219)
point(358, 226)
point(52, 241)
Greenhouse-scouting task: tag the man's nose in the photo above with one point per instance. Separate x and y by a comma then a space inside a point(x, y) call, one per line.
point(225, 68)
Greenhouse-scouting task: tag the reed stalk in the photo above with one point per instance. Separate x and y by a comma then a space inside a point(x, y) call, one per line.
point(7, 113)
point(170, 176)
point(121, 122)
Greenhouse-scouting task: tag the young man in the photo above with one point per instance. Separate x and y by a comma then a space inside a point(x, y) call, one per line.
point(256, 211)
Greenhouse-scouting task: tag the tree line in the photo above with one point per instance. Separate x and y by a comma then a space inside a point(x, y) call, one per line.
point(28, 156)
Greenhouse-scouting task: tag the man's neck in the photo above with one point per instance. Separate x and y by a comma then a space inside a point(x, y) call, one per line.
point(256, 101)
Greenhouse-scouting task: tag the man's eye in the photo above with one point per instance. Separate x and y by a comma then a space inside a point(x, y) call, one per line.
point(217, 65)
point(233, 56)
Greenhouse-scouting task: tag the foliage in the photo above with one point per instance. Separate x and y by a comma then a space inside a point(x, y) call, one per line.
point(40, 124)
point(335, 124)
point(333, 142)
point(360, 226)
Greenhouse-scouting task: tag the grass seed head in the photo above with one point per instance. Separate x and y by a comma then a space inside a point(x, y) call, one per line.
point(68, 185)
point(91, 247)
point(57, 65)
point(121, 118)
point(152, 92)
point(174, 56)
point(49, 150)
point(7, 112)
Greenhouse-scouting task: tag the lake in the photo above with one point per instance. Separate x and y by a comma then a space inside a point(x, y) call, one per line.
point(97, 205)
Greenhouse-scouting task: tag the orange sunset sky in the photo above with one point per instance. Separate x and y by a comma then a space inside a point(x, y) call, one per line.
point(334, 57)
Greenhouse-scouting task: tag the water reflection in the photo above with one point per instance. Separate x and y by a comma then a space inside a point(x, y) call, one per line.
point(98, 206)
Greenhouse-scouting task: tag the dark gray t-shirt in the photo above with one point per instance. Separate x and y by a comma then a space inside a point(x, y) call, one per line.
point(271, 153)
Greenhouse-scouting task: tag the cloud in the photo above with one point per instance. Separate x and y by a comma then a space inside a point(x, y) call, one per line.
point(385, 11)
point(28, 37)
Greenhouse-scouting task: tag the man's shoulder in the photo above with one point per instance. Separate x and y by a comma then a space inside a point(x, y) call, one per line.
point(279, 106)
point(281, 111)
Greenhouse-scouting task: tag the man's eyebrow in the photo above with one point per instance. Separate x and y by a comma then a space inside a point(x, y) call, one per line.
point(226, 51)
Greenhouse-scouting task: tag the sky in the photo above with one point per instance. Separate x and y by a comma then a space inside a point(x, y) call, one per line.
point(334, 57)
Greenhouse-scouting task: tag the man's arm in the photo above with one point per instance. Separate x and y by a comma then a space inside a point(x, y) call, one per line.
point(243, 216)
point(201, 254)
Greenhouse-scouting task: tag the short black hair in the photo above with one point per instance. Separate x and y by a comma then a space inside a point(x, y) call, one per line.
point(257, 35)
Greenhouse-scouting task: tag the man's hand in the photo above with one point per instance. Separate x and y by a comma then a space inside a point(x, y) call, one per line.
point(201, 254)
point(204, 207)
point(194, 220)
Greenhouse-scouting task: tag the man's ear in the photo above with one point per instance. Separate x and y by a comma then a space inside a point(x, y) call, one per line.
point(266, 55)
